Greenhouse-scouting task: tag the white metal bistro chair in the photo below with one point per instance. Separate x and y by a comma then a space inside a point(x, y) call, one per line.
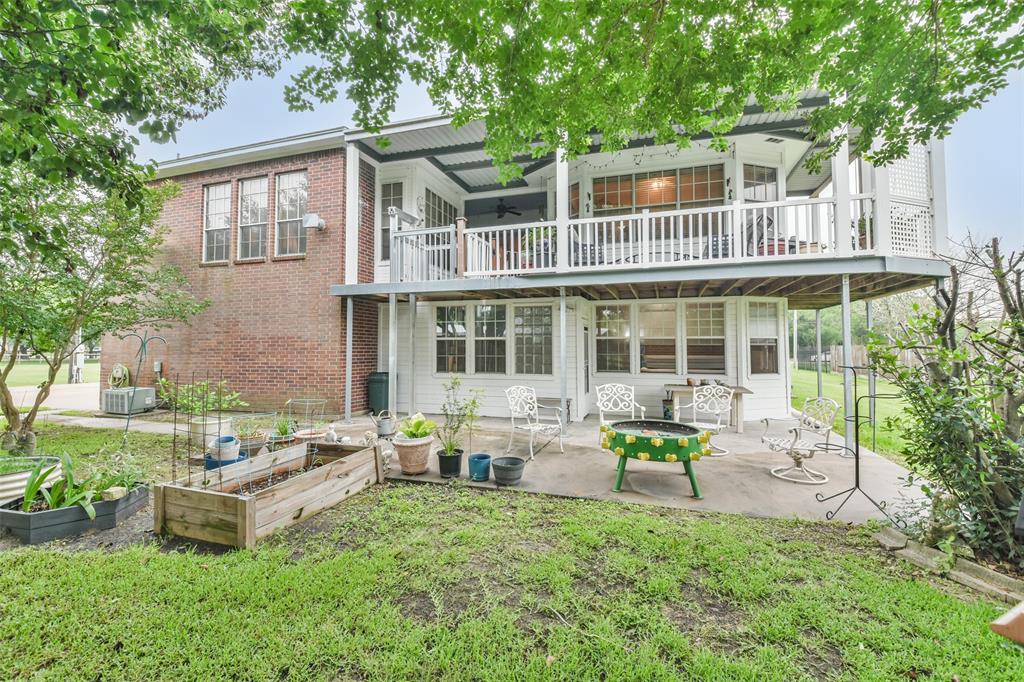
point(617, 399)
point(712, 402)
point(523, 405)
point(810, 435)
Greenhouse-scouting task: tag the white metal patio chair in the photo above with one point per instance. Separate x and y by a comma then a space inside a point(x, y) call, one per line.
point(712, 402)
point(810, 435)
point(617, 399)
point(523, 405)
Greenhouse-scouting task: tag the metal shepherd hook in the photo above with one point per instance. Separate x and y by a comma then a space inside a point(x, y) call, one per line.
point(144, 342)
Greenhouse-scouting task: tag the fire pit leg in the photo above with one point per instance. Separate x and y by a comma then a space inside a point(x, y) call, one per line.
point(693, 480)
point(621, 473)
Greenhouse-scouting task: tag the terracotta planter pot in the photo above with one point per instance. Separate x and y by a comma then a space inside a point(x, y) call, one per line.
point(413, 453)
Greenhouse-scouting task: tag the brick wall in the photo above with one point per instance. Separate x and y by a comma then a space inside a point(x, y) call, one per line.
point(272, 330)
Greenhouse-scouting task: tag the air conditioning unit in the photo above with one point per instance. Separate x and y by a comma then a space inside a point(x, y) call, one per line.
point(128, 400)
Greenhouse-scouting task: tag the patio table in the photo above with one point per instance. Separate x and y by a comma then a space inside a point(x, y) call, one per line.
point(677, 391)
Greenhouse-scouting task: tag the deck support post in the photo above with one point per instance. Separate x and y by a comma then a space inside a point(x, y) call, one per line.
point(351, 213)
point(392, 354)
point(796, 338)
point(412, 353)
point(817, 349)
point(563, 353)
point(561, 211)
point(869, 322)
point(348, 360)
point(849, 376)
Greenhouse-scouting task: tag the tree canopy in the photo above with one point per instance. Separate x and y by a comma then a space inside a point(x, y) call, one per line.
point(553, 72)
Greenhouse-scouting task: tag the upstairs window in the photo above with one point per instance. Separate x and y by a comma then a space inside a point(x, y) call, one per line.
point(390, 196)
point(613, 195)
point(705, 338)
point(666, 190)
point(216, 222)
point(489, 347)
point(760, 183)
point(252, 218)
point(439, 213)
point(612, 338)
point(658, 337)
point(764, 338)
point(292, 195)
point(702, 186)
point(655, 191)
point(450, 333)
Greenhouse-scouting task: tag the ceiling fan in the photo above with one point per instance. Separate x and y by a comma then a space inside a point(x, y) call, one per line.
point(501, 209)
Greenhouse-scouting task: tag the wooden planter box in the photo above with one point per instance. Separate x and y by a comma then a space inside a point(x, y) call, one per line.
point(218, 508)
point(42, 526)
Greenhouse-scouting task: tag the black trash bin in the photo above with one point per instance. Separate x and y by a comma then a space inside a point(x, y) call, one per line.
point(377, 391)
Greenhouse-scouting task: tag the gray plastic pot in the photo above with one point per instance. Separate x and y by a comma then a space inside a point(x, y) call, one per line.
point(508, 470)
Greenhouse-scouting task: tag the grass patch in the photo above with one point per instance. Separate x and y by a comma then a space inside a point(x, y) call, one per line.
point(33, 373)
point(89, 448)
point(413, 581)
point(889, 443)
point(77, 413)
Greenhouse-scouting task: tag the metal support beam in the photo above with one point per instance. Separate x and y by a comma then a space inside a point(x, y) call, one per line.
point(412, 353)
point(849, 376)
point(392, 354)
point(796, 337)
point(561, 211)
point(348, 360)
point(869, 322)
point(817, 349)
point(563, 353)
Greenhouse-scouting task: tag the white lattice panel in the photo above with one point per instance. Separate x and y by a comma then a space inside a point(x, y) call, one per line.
point(909, 177)
point(911, 229)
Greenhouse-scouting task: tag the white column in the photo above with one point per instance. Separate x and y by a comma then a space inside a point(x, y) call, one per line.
point(562, 210)
point(841, 192)
point(817, 349)
point(352, 214)
point(412, 353)
point(848, 374)
point(883, 211)
point(937, 185)
point(348, 360)
point(869, 322)
point(392, 354)
point(796, 338)
point(563, 353)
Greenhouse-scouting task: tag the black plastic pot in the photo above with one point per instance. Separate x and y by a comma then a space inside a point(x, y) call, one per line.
point(36, 527)
point(450, 465)
point(508, 470)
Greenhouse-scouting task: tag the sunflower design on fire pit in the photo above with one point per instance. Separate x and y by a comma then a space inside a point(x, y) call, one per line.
point(650, 440)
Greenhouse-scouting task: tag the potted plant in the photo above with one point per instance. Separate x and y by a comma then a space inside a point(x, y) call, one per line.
point(283, 433)
point(458, 413)
point(71, 505)
point(412, 443)
point(251, 438)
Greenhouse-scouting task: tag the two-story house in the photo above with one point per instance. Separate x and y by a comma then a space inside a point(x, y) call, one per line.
point(647, 266)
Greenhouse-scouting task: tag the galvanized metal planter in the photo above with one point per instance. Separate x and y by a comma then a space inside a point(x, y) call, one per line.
point(12, 486)
point(42, 526)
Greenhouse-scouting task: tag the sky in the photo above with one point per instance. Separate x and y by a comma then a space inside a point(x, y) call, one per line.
point(984, 152)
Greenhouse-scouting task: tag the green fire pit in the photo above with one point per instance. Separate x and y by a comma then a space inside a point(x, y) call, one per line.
point(651, 440)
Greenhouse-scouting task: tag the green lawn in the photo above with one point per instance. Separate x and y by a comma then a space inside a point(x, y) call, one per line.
point(423, 582)
point(33, 373)
point(805, 385)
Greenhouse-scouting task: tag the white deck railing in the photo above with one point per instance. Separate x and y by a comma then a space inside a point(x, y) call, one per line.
point(800, 228)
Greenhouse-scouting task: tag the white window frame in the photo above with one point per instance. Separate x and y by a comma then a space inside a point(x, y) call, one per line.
point(633, 348)
point(504, 338)
point(724, 337)
point(780, 357)
point(381, 216)
point(467, 339)
point(266, 224)
point(277, 215)
point(515, 340)
point(206, 221)
point(675, 335)
point(445, 205)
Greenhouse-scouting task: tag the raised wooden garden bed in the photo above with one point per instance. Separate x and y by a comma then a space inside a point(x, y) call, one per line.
point(42, 526)
point(239, 504)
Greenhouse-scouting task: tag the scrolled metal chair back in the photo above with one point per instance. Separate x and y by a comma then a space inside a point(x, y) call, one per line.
point(818, 414)
point(522, 401)
point(615, 398)
point(712, 399)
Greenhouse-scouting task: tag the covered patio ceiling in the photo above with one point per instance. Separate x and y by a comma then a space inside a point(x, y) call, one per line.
point(810, 290)
point(459, 152)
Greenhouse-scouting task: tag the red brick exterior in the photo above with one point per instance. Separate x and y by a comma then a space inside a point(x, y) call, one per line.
point(272, 330)
point(367, 220)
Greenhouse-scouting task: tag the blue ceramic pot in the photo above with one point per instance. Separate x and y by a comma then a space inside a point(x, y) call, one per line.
point(479, 467)
point(213, 463)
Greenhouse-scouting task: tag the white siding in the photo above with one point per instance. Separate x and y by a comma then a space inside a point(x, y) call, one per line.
point(769, 397)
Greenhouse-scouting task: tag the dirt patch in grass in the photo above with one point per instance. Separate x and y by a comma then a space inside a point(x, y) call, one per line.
point(822, 659)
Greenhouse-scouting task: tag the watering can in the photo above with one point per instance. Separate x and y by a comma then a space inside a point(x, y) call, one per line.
point(385, 422)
